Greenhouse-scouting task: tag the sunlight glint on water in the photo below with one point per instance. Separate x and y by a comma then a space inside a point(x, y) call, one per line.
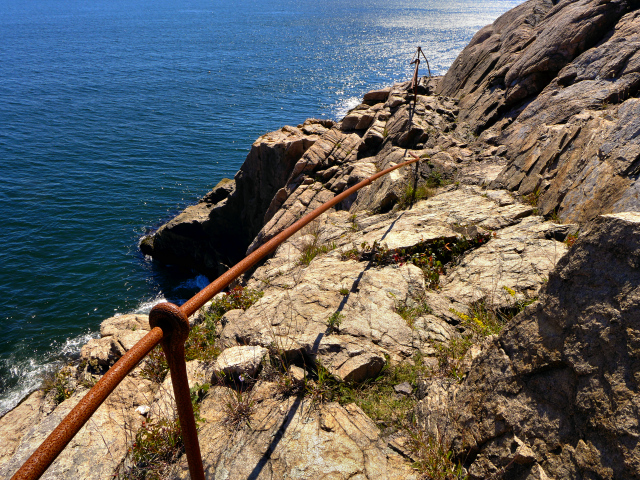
point(116, 114)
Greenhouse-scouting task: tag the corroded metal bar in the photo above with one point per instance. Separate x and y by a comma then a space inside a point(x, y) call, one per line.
point(175, 324)
point(207, 293)
point(49, 450)
point(414, 81)
point(416, 60)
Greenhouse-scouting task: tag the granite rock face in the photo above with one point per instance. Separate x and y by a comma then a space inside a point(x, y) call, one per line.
point(15, 424)
point(214, 234)
point(556, 84)
point(557, 393)
point(292, 437)
point(98, 448)
point(293, 315)
point(541, 102)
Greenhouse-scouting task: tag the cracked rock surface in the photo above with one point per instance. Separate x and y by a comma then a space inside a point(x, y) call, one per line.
point(293, 438)
point(556, 393)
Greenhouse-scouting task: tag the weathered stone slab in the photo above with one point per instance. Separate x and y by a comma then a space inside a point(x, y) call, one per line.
point(242, 360)
point(294, 436)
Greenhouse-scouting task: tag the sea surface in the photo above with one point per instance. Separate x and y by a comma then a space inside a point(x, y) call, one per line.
point(116, 114)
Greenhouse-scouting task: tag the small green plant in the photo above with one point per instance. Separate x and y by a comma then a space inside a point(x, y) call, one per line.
point(334, 321)
point(571, 239)
point(201, 343)
point(354, 227)
point(155, 366)
point(554, 217)
point(411, 309)
point(435, 179)
point(344, 291)
point(510, 291)
point(323, 387)
point(430, 256)
point(157, 445)
point(351, 254)
point(483, 321)
point(450, 356)
point(411, 195)
point(237, 298)
point(532, 199)
point(239, 406)
point(311, 251)
point(432, 456)
point(60, 382)
point(385, 133)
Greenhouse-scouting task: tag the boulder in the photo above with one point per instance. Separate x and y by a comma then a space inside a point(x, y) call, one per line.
point(118, 335)
point(377, 95)
point(240, 361)
point(361, 367)
point(132, 322)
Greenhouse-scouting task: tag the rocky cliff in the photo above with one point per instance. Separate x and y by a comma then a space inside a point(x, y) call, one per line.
point(541, 103)
point(213, 235)
point(472, 316)
point(556, 83)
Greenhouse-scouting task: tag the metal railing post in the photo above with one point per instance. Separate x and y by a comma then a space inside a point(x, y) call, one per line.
point(175, 327)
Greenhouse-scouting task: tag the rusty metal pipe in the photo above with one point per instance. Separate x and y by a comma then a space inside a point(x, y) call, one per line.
point(49, 450)
point(175, 324)
point(202, 297)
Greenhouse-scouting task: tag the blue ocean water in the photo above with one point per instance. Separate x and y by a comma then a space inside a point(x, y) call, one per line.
point(116, 114)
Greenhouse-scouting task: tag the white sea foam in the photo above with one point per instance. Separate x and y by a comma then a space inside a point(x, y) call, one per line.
point(30, 371)
point(146, 305)
point(198, 283)
point(342, 106)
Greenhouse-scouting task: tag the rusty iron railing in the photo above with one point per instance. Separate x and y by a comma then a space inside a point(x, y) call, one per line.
point(416, 60)
point(170, 327)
